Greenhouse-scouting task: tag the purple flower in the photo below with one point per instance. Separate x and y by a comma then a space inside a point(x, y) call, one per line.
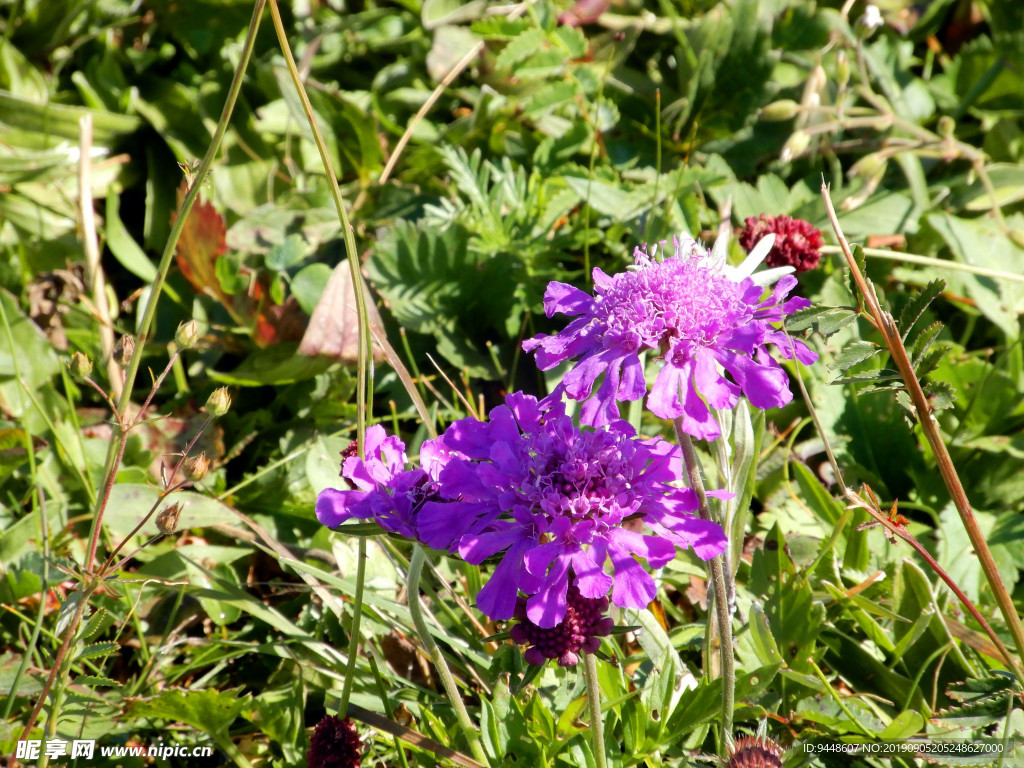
point(558, 503)
point(708, 323)
point(584, 625)
point(387, 492)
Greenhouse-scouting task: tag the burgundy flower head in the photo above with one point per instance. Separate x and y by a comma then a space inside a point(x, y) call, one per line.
point(584, 625)
point(711, 325)
point(797, 243)
point(334, 744)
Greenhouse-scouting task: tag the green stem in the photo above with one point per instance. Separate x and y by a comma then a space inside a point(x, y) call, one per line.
point(596, 718)
point(358, 287)
point(720, 591)
point(353, 637)
point(116, 449)
point(447, 680)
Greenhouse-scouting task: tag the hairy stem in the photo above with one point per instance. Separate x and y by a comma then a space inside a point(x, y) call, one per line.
point(594, 701)
point(720, 591)
point(447, 679)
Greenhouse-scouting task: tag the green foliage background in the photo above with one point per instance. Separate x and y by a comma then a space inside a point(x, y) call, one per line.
point(558, 150)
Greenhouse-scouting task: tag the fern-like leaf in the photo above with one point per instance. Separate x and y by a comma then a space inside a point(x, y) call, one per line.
point(916, 306)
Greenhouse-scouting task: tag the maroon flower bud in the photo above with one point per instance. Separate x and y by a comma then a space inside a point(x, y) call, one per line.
point(754, 752)
point(797, 243)
point(582, 628)
point(335, 744)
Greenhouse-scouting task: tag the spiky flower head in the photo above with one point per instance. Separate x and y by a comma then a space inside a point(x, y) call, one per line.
point(709, 324)
point(754, 752)
point(797, 243)
point(557, 503)
point(585, 623)
point(335, 744)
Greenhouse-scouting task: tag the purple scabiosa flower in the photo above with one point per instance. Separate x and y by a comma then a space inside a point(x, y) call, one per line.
point(708, 322)
point(334, 744)
point(585, 623)
point(797, 243)
point(558, 503)
point(383, 490)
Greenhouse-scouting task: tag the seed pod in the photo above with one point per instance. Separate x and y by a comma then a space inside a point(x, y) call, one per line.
point(167, 518)
point(196, 467)
point(123, 350)
point(796, 145)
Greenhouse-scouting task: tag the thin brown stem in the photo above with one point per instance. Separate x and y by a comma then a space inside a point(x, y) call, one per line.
point(901, 359)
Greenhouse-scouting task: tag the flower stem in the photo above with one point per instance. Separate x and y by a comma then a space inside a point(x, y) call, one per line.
point(720, 590)
point(447, 680)
point(594, 700)
point(353, 637)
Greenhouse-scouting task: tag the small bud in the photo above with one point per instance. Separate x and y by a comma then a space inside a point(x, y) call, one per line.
point(219, 402)
point(1018, 237)
point(796, 145)
point(197, 467)
point(947, 127)
point(842, 69)
point(187, 334)
point(867, 166)
point(777, 111)
point(80, 365)
point(167, 518)
point(123, 350)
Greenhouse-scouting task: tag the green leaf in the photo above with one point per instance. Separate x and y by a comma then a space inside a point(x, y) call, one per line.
point(93, 650)
point(853, 353)
point(93, 680)
point(917, 304)
point(519, 48)
point(825, 321)
point(208, 710)
point(123, 246)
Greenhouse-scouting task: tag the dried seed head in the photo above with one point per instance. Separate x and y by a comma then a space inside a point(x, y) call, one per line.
point(123, 350)
point(219, 402)
point(196, 467)
point(167, 518)
point(80, 365)
point(187, 334)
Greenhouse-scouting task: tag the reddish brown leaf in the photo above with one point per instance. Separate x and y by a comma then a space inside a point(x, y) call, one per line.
point(334, 327)
point(202, 242)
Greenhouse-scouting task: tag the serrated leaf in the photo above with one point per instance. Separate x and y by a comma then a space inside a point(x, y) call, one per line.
point(924, 339)
point(211, 711)
point(574, 40)
point(97, 649)
point(822, 320)
point(521, 47)
point(882, 374)
point(973, 687)
point(930, 362)
point(853, 353)
point(97, 622)
point(977, 713)
point(93, 680)
point(917, 304)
